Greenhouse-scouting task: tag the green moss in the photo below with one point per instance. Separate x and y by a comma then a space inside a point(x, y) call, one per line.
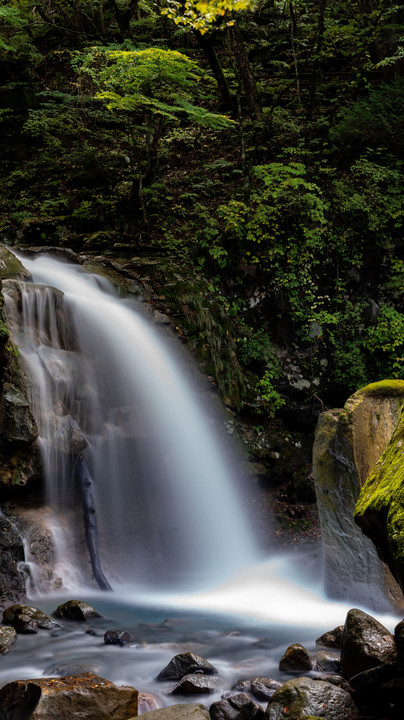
point(383, 388)
point(381, 501)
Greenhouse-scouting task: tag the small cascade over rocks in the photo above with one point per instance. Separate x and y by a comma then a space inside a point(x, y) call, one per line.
point(115, 414)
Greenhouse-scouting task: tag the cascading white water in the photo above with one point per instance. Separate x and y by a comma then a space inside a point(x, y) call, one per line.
point(102, 376)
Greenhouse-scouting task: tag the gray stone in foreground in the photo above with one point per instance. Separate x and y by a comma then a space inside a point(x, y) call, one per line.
point(302, 696)
point(186, 664)
point(188, 711)
point(86, 696)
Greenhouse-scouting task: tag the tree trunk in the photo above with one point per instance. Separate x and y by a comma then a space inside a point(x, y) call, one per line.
point(245, 71)
point(90, 522)
point(206, 44)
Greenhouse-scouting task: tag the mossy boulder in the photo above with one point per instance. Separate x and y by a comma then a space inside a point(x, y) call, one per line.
point(10, 267)
point(303, 697)
point(348, 444)
point(379, 510)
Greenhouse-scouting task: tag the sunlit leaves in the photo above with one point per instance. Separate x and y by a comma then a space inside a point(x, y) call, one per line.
point(163, 82)
point(202, 15)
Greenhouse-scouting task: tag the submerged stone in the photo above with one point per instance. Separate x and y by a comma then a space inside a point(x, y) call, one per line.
point(118, 637)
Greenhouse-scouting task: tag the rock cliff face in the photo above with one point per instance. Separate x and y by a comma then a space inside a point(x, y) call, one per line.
point(348, 444)
point(380, 507)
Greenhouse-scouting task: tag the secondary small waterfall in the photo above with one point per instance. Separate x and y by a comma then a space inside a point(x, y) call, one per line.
point(106, 389)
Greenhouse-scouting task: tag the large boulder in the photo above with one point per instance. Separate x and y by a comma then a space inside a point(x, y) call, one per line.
point(348, 444)
point(379, 509)
point(303, 697)
point(366, 643)
point(86, 696)
point(186, 664)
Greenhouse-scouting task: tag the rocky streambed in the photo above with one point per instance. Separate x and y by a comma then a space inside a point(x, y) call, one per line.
point(76, 662)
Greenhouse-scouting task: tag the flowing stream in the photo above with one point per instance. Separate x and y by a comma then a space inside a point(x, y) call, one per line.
point(173, 538)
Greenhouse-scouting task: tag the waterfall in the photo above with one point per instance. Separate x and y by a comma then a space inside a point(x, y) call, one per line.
point(105, 387)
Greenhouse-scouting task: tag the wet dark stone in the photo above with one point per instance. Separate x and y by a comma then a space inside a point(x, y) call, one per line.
point(366, 643)
point(197, 685)
point(20, 616)
point(236, 707)
point(25, 624)
point(76, 610)
point(295, 659)
point(332, 638)
point(264, 688)
point(118, 637)
point(336, 680)
point(399, 638)
point(243, 686)
point(326, 662)
point(186, 664)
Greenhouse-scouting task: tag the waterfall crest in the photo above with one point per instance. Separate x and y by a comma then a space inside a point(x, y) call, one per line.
point(104, 385)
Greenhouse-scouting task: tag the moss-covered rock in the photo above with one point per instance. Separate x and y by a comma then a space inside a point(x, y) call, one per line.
point(10, 267)
point(348, 443)
point(303, 697)
point(380, 508)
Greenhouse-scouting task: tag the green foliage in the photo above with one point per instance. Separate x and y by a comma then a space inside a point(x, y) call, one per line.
point(386, 343)
point(268, 392)
point(15, 42)
point(156, 80)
